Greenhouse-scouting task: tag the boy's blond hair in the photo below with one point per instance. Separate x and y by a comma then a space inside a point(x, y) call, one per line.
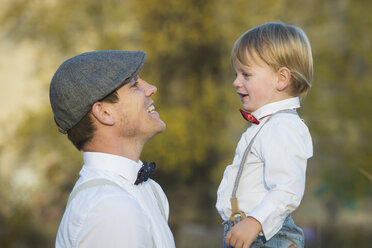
point(278, 45)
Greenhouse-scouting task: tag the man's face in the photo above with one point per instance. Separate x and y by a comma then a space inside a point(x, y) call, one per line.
point(135, 112)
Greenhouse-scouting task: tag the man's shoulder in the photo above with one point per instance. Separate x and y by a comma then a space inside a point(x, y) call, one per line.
point(114, 194)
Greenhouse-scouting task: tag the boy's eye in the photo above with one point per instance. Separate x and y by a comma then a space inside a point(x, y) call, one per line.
point(245, 74)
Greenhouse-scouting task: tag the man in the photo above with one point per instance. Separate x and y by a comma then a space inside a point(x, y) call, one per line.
point(106, 110)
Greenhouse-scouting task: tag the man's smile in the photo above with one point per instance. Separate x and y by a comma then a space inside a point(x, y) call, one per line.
point(151, 109)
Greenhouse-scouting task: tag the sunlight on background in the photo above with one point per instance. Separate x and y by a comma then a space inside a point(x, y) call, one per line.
point(188, 46)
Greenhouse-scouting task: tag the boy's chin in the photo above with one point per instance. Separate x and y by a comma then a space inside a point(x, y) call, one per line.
point(248, 110)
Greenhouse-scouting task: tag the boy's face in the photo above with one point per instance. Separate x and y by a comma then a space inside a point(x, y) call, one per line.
point(255, 84)
point(135, 111)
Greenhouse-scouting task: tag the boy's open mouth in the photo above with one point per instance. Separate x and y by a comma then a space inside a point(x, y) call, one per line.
point(242, 95)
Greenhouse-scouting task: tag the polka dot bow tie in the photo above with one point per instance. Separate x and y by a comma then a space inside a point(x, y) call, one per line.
point(249, 117)
point(145, 172)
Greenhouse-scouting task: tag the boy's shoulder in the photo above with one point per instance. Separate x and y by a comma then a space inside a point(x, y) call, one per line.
point(286, 134)
point(286, 117)
point(285, 123)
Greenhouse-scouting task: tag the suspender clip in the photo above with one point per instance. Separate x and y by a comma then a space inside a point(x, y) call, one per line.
point(236, 214)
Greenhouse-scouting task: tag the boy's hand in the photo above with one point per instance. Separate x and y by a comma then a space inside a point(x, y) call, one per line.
point(244, 233)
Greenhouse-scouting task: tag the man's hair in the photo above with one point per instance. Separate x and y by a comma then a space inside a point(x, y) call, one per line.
point(278, 45)
point(83, 132)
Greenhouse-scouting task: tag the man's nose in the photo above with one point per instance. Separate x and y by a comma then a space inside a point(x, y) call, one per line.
point(149, 88)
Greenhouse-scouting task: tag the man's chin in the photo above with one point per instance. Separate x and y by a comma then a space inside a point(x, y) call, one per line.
point(163, 127)
point(160, 128)
point(156, 132)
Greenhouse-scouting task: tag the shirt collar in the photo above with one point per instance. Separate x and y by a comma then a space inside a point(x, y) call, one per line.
point(122, 166)
point(271, 108)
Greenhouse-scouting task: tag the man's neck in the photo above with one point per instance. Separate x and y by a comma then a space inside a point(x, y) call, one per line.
point(126, 148)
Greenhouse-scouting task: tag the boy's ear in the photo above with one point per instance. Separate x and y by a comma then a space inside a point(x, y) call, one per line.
point(103, 113)
point(284, 78)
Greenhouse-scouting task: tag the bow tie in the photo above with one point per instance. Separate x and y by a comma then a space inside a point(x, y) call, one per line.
point(145, 172)
point(249, 117)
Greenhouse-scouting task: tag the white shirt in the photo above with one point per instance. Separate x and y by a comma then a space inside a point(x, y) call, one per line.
point(108, 216)
point(273, 180)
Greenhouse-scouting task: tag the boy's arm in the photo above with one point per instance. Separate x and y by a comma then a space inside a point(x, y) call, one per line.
point(244, 233)
point(285, 147)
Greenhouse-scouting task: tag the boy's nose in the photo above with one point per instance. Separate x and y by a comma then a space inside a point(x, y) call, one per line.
point(237, 83)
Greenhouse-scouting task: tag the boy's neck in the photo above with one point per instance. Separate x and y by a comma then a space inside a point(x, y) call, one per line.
point(269, 108)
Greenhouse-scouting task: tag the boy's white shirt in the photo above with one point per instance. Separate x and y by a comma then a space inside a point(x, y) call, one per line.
point(108, 216)
point(273, 179)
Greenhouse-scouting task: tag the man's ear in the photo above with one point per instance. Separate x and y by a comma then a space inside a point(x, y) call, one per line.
point(103, 113)
point(284, 78)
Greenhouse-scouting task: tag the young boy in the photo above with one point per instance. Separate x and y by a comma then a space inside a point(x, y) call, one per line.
point(266, 181)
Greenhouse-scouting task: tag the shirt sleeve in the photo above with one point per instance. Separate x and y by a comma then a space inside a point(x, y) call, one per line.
point(116, 222)
point(284, 148)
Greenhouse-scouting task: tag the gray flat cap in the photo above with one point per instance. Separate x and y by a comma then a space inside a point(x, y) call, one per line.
point(86, 78)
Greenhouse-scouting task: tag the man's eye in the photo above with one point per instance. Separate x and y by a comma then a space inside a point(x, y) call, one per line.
point(135, 84)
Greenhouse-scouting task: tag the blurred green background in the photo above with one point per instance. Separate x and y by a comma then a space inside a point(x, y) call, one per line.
point(188, 44)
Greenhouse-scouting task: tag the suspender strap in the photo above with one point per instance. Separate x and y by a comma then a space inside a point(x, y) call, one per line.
point(234, 201)
point(158, 199)
point(101, 182)
point(244, 158)
point(90, 184)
